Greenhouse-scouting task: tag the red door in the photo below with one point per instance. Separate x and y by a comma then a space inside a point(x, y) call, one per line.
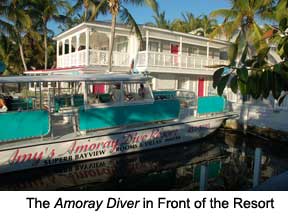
point(98, 88)
point(175, 50)
point(200, 87)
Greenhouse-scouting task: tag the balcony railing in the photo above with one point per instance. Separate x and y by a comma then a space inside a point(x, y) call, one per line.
point(96, 57)
point(101, 58)
point(156, 59)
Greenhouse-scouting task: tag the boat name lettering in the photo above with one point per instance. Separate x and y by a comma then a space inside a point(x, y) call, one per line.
point(18, 157)
point(198, 128)
point(82, 148)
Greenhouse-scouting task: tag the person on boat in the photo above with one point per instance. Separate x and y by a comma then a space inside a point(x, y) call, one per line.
point(116, 92)
point(142, 91)
point(3, 107)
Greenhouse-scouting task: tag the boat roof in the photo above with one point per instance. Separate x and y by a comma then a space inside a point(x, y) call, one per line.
point(109, 77)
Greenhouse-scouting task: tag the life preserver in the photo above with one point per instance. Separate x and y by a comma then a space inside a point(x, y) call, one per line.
point(3, 107)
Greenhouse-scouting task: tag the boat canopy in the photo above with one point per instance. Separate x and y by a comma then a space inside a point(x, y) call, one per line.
point(76, 78)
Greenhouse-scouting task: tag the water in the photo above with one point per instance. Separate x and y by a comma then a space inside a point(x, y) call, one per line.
point(227, 158)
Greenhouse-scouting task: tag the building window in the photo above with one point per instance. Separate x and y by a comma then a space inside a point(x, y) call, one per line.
point(82, 41)
point(60, 49)
point(223, 55)
point(122, 47)
point(153, 46)
point(73, 44)
point(66, 50)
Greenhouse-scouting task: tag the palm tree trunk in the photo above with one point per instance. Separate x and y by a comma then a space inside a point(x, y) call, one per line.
point(22, 56)
point(46, 48)
point(111, 43)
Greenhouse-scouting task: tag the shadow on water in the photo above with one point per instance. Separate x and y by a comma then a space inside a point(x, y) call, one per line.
point(227, 158)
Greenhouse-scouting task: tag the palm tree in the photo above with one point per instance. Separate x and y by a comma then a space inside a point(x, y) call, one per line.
point(179, 25)
point(161, 21)
point(116, 7)
point(191, 22)
point(44, 11)
point(240, 22)
point(90, 8)
point(207, 25)
point(15, 22)
point(9, 56)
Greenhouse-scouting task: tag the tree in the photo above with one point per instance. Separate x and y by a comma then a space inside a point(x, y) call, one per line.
point(161, 21)
point(207, 25)
point(91, 9)
point(44, 11)
point(191, 22)
point(15, 22)
point(253, 75)
point(116, 7)
point(9, 55)
point(179, 25)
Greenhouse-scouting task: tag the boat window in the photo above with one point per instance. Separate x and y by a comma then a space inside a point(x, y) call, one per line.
point(137, 92)
point(102, 93)
point(18, 97)
point(66, 96)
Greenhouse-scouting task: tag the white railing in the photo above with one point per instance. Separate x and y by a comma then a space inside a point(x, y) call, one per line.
point(81, 58)
point(96, 57)
point(156, 59)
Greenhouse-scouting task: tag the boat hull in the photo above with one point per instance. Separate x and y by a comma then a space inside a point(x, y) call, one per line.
point(116, 143)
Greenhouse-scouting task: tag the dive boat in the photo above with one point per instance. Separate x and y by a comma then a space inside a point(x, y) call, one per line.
point(70, 118)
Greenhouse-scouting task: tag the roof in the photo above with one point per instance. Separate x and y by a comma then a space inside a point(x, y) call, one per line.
point(72, 78)
point(127, 28)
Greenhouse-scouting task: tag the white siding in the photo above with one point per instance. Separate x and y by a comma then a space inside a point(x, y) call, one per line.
point(166, 82)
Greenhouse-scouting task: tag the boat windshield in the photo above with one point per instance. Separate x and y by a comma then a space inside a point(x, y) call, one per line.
point(118, 92)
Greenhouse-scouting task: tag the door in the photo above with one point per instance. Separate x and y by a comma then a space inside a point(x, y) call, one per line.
point(201, 87)
point(175, 50)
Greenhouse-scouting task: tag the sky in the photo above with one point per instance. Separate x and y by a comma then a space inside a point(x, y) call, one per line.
point(172, 8)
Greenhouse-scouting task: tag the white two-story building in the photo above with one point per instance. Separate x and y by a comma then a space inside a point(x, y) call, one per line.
point(175, 60)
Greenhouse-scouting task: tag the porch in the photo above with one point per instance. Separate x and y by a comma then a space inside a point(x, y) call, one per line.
point(90, 47)
point(148, 59)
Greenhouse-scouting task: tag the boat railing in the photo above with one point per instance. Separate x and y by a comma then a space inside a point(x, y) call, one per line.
point(193, 106)
point(119, 116)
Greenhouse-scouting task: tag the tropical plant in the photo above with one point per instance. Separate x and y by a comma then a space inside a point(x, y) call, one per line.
point(207, 25)
point(44, 11)
point(9, 56)
point(255, 76)
point(15, 22)
point(91, 9)
point(240, 23)
point(161, 20)
point(191, 22)
point(178, 25)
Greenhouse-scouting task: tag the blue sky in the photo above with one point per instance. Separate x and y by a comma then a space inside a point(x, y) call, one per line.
point(173, 9)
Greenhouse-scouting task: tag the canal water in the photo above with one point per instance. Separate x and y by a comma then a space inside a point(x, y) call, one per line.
point(223, 161)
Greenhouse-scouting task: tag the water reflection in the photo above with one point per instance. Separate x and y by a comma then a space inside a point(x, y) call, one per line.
point(224, 161)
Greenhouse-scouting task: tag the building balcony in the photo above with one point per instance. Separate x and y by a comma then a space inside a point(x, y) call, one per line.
point(149, 60)
point(92, 58)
